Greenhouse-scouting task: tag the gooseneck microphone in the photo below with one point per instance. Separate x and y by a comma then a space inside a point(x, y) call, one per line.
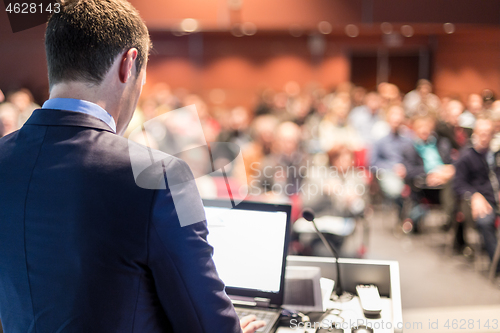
point(308, 215)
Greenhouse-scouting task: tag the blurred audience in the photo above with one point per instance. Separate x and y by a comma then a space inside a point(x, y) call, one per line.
point(292, 138)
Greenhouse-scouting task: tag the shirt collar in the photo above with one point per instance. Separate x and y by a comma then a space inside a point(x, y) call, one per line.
point(78, 105)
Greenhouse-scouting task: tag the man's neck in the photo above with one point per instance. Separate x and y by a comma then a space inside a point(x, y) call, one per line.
point(86, 92)
point(481, 150)
point(430, 140)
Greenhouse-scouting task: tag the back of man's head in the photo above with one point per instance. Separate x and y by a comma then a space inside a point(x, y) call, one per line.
point(84, 38)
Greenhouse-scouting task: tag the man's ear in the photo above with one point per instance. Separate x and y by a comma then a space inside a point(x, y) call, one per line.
point(127, 64)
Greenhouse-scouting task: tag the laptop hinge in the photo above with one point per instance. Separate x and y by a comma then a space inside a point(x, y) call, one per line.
point(250, 301)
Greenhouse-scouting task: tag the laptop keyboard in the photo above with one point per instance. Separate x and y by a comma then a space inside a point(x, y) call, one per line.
point(266, 316)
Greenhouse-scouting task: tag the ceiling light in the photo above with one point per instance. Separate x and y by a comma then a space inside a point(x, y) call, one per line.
point(324, 27)
point(386, 28)
point(189, 25)
point(449, 28)
point(352, 30)
point(407, 30)
point(249, 29)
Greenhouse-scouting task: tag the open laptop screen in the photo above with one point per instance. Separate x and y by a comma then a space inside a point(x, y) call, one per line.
point(250, 243)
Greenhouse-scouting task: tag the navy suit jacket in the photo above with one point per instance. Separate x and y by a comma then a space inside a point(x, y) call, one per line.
point(83, 248)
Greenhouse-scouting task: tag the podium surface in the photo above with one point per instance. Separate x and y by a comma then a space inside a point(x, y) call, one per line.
point(349, 314)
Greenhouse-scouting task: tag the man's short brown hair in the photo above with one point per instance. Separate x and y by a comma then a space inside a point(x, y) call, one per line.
point(84, 38)
point(429, 117)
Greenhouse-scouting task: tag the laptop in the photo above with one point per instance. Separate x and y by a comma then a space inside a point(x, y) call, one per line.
point(250, 242)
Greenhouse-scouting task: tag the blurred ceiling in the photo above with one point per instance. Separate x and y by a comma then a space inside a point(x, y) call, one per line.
point(278, 15)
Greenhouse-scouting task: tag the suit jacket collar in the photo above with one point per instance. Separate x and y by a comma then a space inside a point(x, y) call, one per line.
point(50, 117)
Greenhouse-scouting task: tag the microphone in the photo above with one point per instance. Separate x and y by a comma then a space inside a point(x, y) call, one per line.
point(308, 215)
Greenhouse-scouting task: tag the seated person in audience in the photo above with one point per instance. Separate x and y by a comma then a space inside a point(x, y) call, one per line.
point(387, 157)
point(1, 130)
point(428, 168)
point(337, 188)
point(282, 170)
point(2, 98)
point(358, 96)
point(24, 101)
point(239, 127)
point(476, 181)
point(390, 94)
point(488, 98)
point(9, 118)
point(301, 107)
point(263, 130)
point(235, 130)
point(280, 106)
point(310, 128)
point(334, 129)
point(467, 119)
point(421, 100)
point(368, 121)
point(264, 102)
point(495, 118)
point(449, 128)
point(334, 188)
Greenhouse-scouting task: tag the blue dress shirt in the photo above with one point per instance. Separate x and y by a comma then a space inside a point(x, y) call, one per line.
point(388, 151)
point(78, 105)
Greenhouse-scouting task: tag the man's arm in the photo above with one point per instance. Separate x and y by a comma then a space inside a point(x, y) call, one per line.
point(186, 281)
point(461, 182)
point(444, 148)
point(413, 164)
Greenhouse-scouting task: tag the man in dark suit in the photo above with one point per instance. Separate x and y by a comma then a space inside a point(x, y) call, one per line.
point(83, 248)
point(476, 182)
